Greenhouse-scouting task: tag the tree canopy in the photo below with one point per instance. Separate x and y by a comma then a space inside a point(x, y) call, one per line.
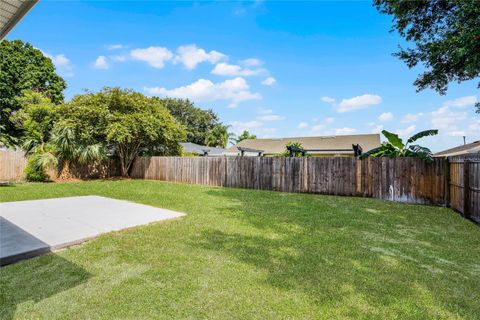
point(126, 122)
point(22, 67)
point(446, 37)
point(245, 135)
point(197, 122)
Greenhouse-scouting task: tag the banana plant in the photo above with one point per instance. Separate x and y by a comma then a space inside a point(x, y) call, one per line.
point(395, 147)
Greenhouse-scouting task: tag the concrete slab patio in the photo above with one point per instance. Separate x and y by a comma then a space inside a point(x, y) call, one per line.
point(31, 228)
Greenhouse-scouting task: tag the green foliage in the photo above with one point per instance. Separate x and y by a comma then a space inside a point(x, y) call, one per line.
point(286, 153)
point(22, 67)
point(445, 36)
point(245, 136)
point(35, 170)
point(124, 122)
point(197, 122)
point(35, 119)
point(395, 147)
point(219, 136)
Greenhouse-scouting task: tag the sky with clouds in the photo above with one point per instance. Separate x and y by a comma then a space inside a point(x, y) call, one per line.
point(277, 69)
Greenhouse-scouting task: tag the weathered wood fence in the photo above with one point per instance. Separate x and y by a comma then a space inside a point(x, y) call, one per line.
point(403, 179)
point(12, 164)
point(453, 182)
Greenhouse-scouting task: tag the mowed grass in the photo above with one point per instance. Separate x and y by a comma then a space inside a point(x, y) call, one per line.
point(246, 254)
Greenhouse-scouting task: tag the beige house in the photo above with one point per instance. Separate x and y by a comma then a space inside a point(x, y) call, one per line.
point(466, 149)
point(316, 146)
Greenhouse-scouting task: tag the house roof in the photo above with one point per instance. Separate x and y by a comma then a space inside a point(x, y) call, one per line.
point(468, 148)
point(11, 12)
point(199, 149)
point(322, 144)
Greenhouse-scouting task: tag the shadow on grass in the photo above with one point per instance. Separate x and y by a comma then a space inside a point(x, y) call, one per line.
point(35, 279)
point(344, 253)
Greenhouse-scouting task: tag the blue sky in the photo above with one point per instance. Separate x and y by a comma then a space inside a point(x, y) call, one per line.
point(276, 69)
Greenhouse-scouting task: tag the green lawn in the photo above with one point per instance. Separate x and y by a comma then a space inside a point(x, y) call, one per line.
point(245, 254)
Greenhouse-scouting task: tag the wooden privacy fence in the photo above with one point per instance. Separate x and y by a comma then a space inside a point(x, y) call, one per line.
point(403, 179)
point(12, 164)
point(453, 182)
point(464, 181)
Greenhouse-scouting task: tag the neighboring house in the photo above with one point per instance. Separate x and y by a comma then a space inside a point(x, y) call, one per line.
point(193, 148)
point(12, 11)
point(316, 146)
point(465, 149)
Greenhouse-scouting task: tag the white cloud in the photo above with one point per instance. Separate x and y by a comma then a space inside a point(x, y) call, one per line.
point(329, 100)
point(344, 131)
point(354, 103)
point(254, 127)
point(461, 102)
point(411, 117)
point(118, 58)
point(302, 125)
point(115, 46)
point(251, 62)
point(358, 102)
point(269, 81)
point(386, 116)
point(154, 56)
point(271, 117)
point(190, 56)
point(62, 63)
point(406, 131)
point(233, 70)
point(233, 90)
point(101, 63)
point(330, 120)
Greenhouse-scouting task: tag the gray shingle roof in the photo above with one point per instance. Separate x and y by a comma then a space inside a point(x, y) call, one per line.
point(200, 150)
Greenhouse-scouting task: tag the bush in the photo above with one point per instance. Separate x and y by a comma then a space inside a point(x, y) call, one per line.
point(34, 172)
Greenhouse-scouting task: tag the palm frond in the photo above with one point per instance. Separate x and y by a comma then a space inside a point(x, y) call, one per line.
point(394, 139)
point(422, 134)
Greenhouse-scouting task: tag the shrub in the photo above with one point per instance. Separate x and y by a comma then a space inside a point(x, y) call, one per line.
point(34, 172)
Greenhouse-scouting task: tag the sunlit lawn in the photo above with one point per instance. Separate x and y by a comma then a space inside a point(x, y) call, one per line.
point(244, 254)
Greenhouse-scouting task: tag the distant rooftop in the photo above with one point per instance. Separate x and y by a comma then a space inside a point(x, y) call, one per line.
point(468, 148)
point(200, 150)
point(333, 144)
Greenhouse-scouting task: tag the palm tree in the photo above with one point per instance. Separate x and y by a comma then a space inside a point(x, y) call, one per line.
point(219, 136)
point(395, 147)
point(68, 149)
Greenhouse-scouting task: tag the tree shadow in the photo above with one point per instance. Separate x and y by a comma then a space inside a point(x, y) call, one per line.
point(341, 254)
point(34, 279)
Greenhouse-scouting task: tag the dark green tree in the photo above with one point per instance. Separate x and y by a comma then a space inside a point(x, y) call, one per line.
point(245, 136)
point(446, 38)
point(22, 67)
point(197, 122)
point(126, 122)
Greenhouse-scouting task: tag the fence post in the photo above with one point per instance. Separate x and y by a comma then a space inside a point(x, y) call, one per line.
point(466, 188)
point(358, 177)
point(446, 191)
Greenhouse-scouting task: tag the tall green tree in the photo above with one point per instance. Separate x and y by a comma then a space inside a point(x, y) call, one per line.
point(126, 122)
point(245, 136)
point(219, 136)
point(197, 122)
point(22, 67)
point(445, 36)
